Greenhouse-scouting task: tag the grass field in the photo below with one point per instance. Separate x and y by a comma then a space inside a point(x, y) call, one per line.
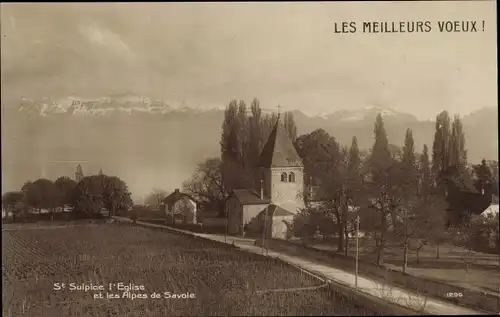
point(456, 265)
point(225, 281)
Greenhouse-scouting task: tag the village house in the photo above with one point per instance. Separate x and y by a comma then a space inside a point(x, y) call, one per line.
point(180, 208)
point(280, 194)
point(492, 209)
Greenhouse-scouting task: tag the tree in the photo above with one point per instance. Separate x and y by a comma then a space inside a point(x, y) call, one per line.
point(206, 185)
point(24, 189)
point(440, 147)
point(256, 130)
point(434, 229)
point(235, 147)
point(354, 157)
point(11, 199)
point(97, 192)
point(116, 195)
point(457, 152)
point(290, 126)
point(452, 179)
point(384, 185)
point(335, 171)
point(340, 202)
point(418, 218)
point(25, 186)
point(229, 138)
point(314, 220)
point(42, 194)
point(88, 196)
point(354, 189)
point(242, 132)
point(65, 187)
point(494, 172)
point(483, 177)
point(325, 164)
point(380, 158)
point(156, 197)
point(320, 154)
point(434, 207)
point(424, 172)
point(13, 202)
point(409, 188)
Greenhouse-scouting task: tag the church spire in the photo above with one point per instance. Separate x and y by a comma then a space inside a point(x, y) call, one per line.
point(279, 150)
point(100, 172)
point(78, 173)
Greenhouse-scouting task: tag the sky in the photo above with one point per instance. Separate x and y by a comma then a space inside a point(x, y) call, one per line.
point(205, 54)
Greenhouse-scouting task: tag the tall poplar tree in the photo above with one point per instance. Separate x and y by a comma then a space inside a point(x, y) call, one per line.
point(425, 172)
point(290, 126)
point(408, 227)
point(458, 154)
point(440, 147)
point(382, 184)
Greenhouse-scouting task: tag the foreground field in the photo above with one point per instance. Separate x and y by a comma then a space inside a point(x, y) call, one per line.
point(456, 265)
point(224, 281)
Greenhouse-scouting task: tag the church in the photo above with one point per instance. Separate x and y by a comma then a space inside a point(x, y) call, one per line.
point(279, 196)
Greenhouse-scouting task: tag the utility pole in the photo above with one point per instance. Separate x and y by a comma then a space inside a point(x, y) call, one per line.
point(357, 252)
point(264, 231)
point(225, 225)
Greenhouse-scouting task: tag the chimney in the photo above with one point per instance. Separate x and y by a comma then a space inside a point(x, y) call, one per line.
point(261, 189)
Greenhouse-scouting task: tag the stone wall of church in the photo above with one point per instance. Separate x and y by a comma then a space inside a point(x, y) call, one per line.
point(279, 229)
point(287, 194)
point(250, 212)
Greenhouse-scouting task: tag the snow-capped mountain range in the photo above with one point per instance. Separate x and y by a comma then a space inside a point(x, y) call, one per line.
point(130, 103)
point(126, 103)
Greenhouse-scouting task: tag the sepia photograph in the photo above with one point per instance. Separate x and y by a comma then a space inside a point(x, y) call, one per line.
point(249, 159)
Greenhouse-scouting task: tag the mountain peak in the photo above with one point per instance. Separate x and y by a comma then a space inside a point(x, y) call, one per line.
point(368, 113)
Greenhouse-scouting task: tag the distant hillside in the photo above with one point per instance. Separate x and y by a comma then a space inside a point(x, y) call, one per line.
point(151, 144)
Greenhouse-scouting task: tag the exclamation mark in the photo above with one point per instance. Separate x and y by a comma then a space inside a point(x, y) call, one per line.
point(483, 25)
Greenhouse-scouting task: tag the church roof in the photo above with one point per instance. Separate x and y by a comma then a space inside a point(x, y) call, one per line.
point(279, 150)
point(249, 197)
point(275, 210)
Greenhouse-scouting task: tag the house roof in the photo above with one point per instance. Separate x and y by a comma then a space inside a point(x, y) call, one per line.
point(175, 196)
point(279, 150)
point(249, 197)
point(491, 210)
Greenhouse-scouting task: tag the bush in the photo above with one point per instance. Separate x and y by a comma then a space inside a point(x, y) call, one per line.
point(133, 216)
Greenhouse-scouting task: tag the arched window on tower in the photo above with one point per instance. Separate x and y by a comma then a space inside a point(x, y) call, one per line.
point(291, 177)
point(283, 177)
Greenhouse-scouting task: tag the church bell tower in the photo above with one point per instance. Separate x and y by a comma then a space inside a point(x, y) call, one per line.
point(282, 170)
